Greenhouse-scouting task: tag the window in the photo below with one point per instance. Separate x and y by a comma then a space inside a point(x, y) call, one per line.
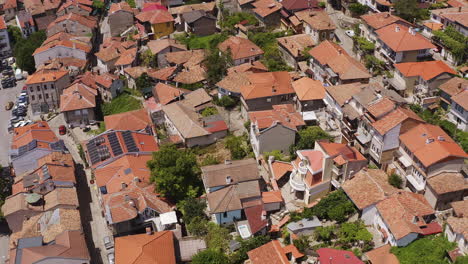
point(225, 214)
point(31, 89)
point(268, 100)
point(38, 88)
point(33, 97)
point(45, 86)
point(40, 96)
point(46, 96)
point(52, 86)
point(459, 108)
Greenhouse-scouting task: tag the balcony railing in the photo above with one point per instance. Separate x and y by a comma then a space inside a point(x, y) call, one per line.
point(397, 84)
point(337, 171)
point(297, 182)
point(363, 136)
point(419, 186)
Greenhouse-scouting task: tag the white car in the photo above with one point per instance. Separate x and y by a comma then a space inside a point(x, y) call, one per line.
point(111, 258)
point(350, 33)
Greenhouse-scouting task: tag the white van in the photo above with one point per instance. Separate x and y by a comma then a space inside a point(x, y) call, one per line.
point(18, 74)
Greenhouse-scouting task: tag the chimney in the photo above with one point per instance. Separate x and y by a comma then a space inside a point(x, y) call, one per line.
point(123, 186)
point(127, 198)
point(440, 138)
point(387, 15)
point(397, 29)
point(460, 85)
point(149, 231)
point(136, 179)
point(429, 140)
point(228, 180)
point(459, 9)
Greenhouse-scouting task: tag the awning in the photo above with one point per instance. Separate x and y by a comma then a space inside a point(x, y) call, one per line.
point(404, 161)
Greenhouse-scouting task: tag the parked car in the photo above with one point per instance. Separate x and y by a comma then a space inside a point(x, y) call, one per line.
point(108, 242)
point(18, 74)
point(9, 105)
point(350, 33)
point(62, 130)
point(111, 258)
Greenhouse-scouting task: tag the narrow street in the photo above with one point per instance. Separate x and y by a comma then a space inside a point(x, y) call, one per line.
point(94, 224)
point(346, 41)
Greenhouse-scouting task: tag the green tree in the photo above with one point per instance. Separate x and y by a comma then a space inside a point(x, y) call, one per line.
point(210, 256)
point(99, 5)
point(148, 59)
point(275, 153)
point(409, 10)
point(198, 226)
point(307, 138)
point(240, 255)
point(209, 111)
point(325, 233)
point(131, 3)
point(395, 180)
point(335, 206)
point(192, 208)
point(358, 9)
point(231, 20)
point(143, 82)
point(302, 243)
point(351, 232)
point(14, 34)
point(175, 173)
point(217, 63)
point(218, 237)
point(24, 49)
point(236, 146)
point(225, 101)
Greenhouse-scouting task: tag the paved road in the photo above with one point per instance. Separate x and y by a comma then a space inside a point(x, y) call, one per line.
point(346, 42)
point(6, 95)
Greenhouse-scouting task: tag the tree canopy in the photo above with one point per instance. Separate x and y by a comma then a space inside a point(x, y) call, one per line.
point(410, 11)
point(24, 48)
point(143, 82)
point(307, 138)
point(211, 256)
point(175, 173)
point(217, 63)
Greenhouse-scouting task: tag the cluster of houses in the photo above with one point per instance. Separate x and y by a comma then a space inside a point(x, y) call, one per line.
point(85, 62)
point(43, 210)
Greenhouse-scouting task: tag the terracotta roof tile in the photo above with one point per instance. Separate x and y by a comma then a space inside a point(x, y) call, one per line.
point(425, 69)
point(157, 248)
point(393, 119)
point(255, 66)
point(446, 182)
point(65, 197)
point(382, 255)
point(39, 131)
point(281, 168)
point(224, 200)
point(238, 170)
point(46, 76)
point(127, 57)
point(338, 256)
point(368, 187)
point(155, 16)
point(240, 48)
point(398, 38)
point(122, 6)
point(430, 144)
point(75, 4)
point(165, 94)
point(381, 107)
point(339, 149)
point(272, 197)
point(186, 58)
point(294, 5)
point(318, 20)
point(267, 84)
point(208, 7)
point(2, 23)
point(296, 44)
point(123, 170)
point(284, 114)
point(398, 212)
point(133, 120)
point(380, 20)
point(460, 208)
point(264, 8)
point(193, 74)
point(457, 14)
point(270, 253)
point(163, 74)
point(234, 81)
point(342, 93)
point(454, 86)
point(461, 99)
point(136, 71)
point(159, 45)
point(332, 55)
point(77, 96)
point(459, 225)
point(254, 215)
point(308, 89)
point(127, 204)
point(86, 21)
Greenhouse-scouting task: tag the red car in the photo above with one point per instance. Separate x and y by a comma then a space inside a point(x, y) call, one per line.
point(24, 87)
point(62, 130)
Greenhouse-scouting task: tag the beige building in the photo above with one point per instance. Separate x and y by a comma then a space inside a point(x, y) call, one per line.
point(77, 103)
point(44, 89)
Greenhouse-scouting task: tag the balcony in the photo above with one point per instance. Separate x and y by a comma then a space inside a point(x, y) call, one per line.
point(363, 136)
point(388, 54)
point(296, 181)
point(418, 186)
point(337, 170)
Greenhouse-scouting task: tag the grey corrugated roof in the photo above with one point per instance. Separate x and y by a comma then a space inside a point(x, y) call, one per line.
point(304, 224)
point(193, 16)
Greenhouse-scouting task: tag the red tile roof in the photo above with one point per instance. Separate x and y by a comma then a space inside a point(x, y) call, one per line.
point(272, 197)
point(382, 255)
point(381, 107)
point(337, 256)
point(164, 93)
point(393, 119)
point(348, 153)
point(77, 96)
point(86, 21)
point(461, 99)
point(240, 48)
point(136, 120)
point(155, 16)
point(271, 253)
point(379, 20)
point(426, 69)
point(299, 4)
point(43, 76)
point(2, 23)
point(282, 114)
point(399, 39)
point(122, 6)
point(430, 144)
point(157, 248)
point(280, 169)
point(308, 89)
point(264, 8)
point(256, 217)
point(332, 55)
point(39, 131)
point(267, 84)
